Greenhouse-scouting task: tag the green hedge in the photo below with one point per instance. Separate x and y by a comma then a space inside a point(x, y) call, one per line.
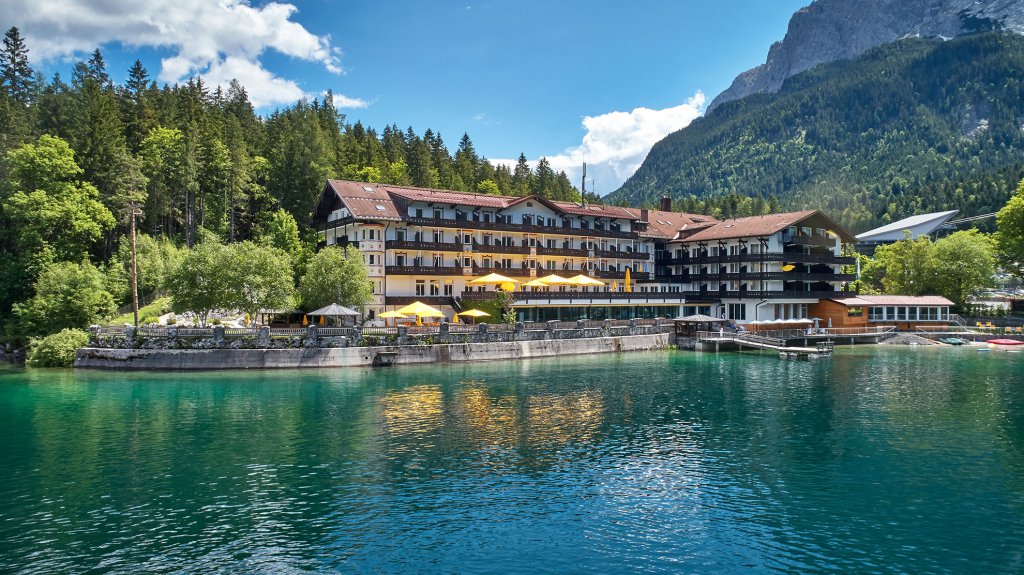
point(56, 350)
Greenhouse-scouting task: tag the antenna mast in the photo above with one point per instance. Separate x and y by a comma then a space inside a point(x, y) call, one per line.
point(583, 187)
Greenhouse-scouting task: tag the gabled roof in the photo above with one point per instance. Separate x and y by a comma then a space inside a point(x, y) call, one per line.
point(919, 225)
point(756, 226)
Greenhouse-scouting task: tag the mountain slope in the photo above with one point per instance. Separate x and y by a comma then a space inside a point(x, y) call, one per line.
point(918, 124)
point(831, 30)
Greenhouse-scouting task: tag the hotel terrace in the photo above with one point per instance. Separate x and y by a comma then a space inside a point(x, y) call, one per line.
point(425, 245)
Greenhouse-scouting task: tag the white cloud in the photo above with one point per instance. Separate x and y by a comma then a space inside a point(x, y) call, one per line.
point(343, 101)
point(616, 143)
point(218, 39)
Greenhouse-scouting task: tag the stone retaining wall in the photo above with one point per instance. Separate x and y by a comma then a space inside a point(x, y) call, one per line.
point(208, 359)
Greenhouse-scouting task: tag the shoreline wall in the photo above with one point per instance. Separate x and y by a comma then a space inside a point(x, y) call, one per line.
point(214, 359)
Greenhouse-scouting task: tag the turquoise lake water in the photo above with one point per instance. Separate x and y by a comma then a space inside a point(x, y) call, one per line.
point(907, 460)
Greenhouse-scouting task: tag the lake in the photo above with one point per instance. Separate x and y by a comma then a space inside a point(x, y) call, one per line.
point(876, 460)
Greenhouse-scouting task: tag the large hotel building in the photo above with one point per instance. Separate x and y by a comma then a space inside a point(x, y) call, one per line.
point(425, 245)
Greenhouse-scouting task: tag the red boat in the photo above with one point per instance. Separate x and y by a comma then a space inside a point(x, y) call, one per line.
point(1005, 342)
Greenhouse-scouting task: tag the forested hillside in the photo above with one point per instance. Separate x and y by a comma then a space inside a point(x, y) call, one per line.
point(197, 161)
point(914, 126)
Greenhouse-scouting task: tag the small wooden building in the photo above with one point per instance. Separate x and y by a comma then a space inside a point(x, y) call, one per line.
point(903, 311)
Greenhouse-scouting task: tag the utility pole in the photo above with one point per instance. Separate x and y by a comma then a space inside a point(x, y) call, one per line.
point(135, 273)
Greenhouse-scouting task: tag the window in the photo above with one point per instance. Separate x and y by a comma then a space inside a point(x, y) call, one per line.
point(854, 311)
point(419, 212)
point(467, 238)
point(435, 287)
point(448, 289)
point(400, 259)
point(438, 236)
point(372, 260)
point(438, 213)
point(420, 287)
point(438, 261)
point(506, 262)
point(467, 262)
point(551, 244)
point(400, 234)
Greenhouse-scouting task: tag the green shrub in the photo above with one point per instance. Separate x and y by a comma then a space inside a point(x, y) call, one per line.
point(171, 320)
point(215, 321)
point(149, 319)
point(56, 350)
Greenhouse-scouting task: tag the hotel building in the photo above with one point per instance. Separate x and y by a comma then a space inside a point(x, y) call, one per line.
point(423, 244)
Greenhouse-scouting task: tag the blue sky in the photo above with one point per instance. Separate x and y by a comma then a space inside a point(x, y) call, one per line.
point(602, 80)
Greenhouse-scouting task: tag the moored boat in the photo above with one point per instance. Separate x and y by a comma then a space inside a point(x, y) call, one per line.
point(1010, 342)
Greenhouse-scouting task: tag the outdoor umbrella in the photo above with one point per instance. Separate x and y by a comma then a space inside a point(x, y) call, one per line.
point(537, 283)
point(496, 279)
point(420, 310)
point(628, 282)
point(474, 313)
point(584, 280)
point(392, 315)
point(554, 279)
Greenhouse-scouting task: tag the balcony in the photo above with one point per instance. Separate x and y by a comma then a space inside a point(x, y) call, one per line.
point(762, 294)
point(616, 275)
point(769, 257)
point(428, 246)
point(510, 272)
point(764, 276)
point(567, 252)
point(620, 254)
point(434, 300)
point(588, 297)
point(423, 271)
point(521, 228)
point(800, 240)
point(500, 249)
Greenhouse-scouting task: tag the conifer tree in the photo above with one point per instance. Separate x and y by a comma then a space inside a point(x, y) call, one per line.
point(16, 76)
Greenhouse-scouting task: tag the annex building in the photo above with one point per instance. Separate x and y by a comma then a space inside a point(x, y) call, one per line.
point(425, 245)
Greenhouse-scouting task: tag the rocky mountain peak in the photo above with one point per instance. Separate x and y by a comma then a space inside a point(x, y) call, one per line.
point(832, 30)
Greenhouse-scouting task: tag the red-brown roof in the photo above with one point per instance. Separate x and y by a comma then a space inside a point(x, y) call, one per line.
point(749, 227)
point(666, 225)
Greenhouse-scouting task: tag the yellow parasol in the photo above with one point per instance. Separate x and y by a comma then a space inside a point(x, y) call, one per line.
point(628, 281)
point(615, 286)
point(321, 320)
point(392, 315)
point(537, 283)
point(474, 313)
point(584, 280)
point(554, 279)
point(788, 267)
point(305, 320)
point(496, 279)
point(455, 318)
point(508, 286)
point(420, 310)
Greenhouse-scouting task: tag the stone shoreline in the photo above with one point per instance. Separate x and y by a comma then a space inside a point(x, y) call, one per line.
point(214, 359)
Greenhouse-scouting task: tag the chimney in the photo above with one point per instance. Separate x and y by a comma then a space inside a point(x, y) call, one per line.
point(666, 204)
point(644, 214)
